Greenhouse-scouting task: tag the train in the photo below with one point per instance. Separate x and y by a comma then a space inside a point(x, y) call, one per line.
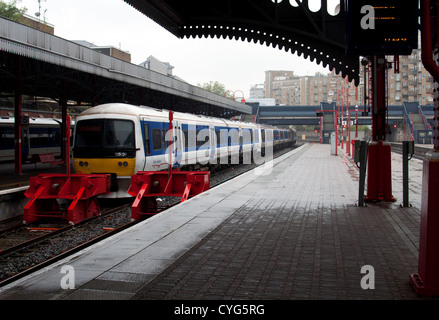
point(39, 136)
point(122, 139)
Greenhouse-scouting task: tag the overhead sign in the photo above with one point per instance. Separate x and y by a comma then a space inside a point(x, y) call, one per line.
point(381, 27)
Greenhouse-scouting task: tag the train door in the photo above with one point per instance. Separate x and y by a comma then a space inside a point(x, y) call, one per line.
point(241, 139)
point(213, 142)
point(263, 142)
point(146, 142)
point(157, 140)
point(177, 143)
point(24, 143)
point(166, 142)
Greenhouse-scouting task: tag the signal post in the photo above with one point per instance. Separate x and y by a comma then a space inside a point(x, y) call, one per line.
point(374, 30)
point(379, 170)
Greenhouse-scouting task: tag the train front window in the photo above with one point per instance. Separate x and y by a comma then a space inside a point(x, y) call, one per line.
point(104, 138)
point(119, 133)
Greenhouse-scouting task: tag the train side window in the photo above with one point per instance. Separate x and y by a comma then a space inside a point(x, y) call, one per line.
point(191, 137)
point(156, 139)
point(263, 135)
point(38, 137)
point(255, 136)
point(235, 138)
point(186, 137)
point(55, 137)
point(146, 139)
point(203, 139)
point(224, 137)
point(247, 136)
point(7, 136)
point(218, 137)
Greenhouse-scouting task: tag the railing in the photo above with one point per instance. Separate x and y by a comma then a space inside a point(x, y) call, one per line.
point(407, 119)
point(424, 118)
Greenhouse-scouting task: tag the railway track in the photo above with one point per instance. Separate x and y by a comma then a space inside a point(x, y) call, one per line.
point(29, 248)
point(419, 151)
point(25, 249)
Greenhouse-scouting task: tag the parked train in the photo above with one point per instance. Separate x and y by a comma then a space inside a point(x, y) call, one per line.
point(123, 139)
point(40, 135)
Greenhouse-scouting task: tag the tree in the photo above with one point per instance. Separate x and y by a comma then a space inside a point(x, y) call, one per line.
point(214, 86)
point(10, 10)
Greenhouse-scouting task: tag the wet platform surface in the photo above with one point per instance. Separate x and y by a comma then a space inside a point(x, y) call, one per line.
point(291, 232)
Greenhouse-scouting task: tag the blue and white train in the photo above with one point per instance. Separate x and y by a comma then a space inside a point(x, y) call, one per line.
point(123, 139)
point(40, 135)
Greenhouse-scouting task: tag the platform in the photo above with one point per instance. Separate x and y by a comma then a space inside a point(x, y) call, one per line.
point(292, 232)
point(10, 180)
point(13, 186)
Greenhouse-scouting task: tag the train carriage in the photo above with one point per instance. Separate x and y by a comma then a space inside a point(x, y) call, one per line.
point(39, 136)
point(122, 139)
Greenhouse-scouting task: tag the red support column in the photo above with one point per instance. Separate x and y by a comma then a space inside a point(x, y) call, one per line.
point(65, 145)
point(17, 123)
point(426, 281)
point(348, 142)
point(379, 170)
point(336, 130)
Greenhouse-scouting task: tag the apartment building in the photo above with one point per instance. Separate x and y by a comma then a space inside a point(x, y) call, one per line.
point(288, 89)
point(413, 83)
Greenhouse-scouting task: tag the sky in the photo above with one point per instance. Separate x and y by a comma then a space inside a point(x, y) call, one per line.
point(236, 64)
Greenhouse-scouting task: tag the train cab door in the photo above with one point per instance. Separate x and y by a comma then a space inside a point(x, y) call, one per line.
point(146, 141)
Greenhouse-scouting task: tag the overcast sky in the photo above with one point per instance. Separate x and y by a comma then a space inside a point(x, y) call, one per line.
point(236, 64)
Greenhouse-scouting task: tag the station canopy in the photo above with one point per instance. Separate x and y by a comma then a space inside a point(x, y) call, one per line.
point(287, 25)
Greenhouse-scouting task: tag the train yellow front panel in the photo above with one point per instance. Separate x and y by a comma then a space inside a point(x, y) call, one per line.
point(121, 167)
